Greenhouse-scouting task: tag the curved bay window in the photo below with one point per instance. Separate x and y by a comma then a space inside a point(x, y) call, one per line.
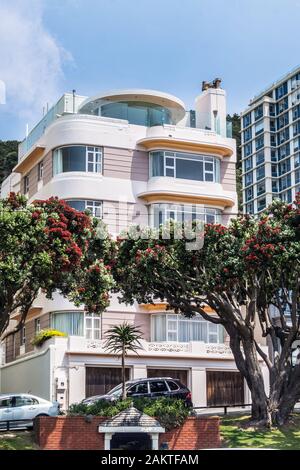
point(135, 112)
point(185, 166)
point(77, 324)
point(77, 158)
point(94, 207)
point(177, 328)
point(160, 213)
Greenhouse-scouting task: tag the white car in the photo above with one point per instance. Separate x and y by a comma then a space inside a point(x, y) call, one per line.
point(22, 406)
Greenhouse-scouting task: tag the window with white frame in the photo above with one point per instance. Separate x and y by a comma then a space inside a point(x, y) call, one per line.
point(26, 184)
point(184, 166)
point(37, 325)
point(160, 213)
point(92, 325)
point(177, 328)
point(77, 158)
point(94, 207)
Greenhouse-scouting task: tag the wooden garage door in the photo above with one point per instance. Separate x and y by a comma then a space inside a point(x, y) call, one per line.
point(100, 380)
point(224, 388)
point(174, 373)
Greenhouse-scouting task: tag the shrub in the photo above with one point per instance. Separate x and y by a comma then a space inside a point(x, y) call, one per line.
point(43, 335)
point(169, 412)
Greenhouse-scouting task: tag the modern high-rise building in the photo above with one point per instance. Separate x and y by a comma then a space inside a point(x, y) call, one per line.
point(131, 156)
point(270, 129)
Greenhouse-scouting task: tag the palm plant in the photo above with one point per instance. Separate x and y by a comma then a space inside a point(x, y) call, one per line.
point(121, 339)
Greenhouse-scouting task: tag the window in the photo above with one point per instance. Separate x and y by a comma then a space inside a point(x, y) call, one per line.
point(23, 336)
point(138, 389)
point(271, 109)
point(248, 149)
point(185, 166)
point(259, 142)
point(158, 386)
point(249, 193)
point(92, 323)
point(70, 323)
point(247, 120)
point(295, 81)
point(250, 208)
point(258, 112)
point(261, 204)
point(139, 113)
point(77, 158)
point(26, 184)
point(283, 151)
point(260, 173)
point(181, 213)
point(181, 329)
point(6, 402)
point(247, 134)
point(283, 135)
point(285, 182)
point(274, 186)
point(297, 176)
point(284, 167)
point(273, 140)
point(40, 170)
point(248, 178)
point(24, 401)
point(172, 385)
point(273, 155)
point(37, 325)
point(94, 207)
point(272, 125)
point(260, 157)
point(297, 160)
point(283, 120)
point(282, 105)
point(259, 127)
point(296, 128)
point(248, 164)
point(296, 112)
point(274, 170)
point(286, 196)
point(261, 188)
point(94, 160)
point(281, 90)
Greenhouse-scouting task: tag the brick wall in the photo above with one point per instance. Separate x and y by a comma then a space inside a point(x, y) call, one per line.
point(196, 433)
point(74, 433)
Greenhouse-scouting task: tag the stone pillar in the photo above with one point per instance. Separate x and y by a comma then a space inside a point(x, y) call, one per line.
point(139, 371)
point(198, 386)
point(154, 437)
point(76, 383)
point(107, 439)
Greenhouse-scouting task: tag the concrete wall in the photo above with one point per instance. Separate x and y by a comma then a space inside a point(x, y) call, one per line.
point(28, 375)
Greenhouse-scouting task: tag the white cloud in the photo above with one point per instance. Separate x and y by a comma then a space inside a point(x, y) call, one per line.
point(31, 59)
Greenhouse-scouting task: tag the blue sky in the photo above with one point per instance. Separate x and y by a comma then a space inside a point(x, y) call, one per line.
point(51, 46)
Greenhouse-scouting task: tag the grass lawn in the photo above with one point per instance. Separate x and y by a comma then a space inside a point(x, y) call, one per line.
point(235, 433)
point(19, 440)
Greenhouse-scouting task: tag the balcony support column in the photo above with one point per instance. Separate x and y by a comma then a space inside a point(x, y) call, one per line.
point(198, 386)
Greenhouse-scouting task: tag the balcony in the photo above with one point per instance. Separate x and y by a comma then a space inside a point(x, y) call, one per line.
point(197, 349)
point(165, 189)
point(188, 139)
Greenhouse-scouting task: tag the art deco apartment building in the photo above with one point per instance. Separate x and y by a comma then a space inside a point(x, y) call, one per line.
point(271, 144)
point(127, 156)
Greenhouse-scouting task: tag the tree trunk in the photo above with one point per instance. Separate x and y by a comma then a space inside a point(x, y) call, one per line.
point(124, 395)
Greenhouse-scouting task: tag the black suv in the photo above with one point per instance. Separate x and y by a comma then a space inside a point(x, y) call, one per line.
point(150, 388)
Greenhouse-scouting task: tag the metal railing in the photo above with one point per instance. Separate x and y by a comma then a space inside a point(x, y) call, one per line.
point(8, 425)
point(224, 407)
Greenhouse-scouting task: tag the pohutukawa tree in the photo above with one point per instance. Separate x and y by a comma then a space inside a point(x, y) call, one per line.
point(249, 274)
point(46, 247)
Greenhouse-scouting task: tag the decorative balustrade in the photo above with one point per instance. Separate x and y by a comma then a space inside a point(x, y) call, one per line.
point(168, 347)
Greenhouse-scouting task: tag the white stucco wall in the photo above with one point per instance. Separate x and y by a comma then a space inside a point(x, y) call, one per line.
point(30, 374)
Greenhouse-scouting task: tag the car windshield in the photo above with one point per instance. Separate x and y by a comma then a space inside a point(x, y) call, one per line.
point(116, 391)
